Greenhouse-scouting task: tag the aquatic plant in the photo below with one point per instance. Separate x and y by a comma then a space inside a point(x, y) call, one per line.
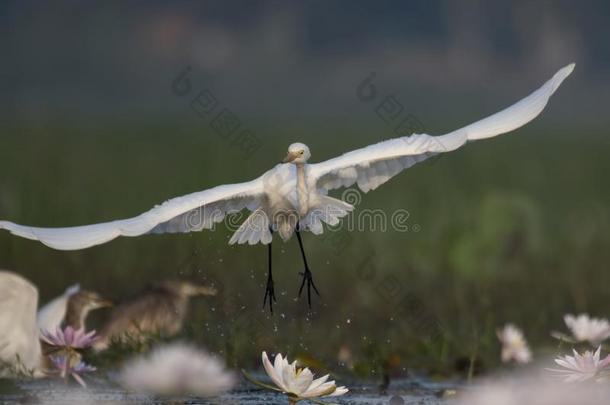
point(532, 388)
point(587, 329)
point(514, 345)
point(297, 383)
point(70, 365)
point(69, 338)
point(177, 369)
point(582, 367)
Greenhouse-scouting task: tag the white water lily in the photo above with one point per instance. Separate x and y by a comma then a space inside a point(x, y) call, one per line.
point(587, 329)
point(514, 345)
point(177, 369)
point(581, 367)
point(298, 383)
point(532, 388)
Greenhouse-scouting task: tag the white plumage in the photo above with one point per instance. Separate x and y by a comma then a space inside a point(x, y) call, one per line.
point(20, 351)
point(52, 314)
point(294, 192)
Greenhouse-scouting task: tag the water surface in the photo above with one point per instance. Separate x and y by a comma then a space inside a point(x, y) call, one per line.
point(406, 391)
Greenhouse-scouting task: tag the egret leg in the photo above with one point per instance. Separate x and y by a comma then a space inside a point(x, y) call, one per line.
point(269, 292)
point(307, 276)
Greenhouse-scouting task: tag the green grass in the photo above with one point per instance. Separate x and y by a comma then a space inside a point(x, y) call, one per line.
point(511, 229)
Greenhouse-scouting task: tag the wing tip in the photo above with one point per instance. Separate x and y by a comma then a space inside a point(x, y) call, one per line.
point(562, 74)
point(566, 70)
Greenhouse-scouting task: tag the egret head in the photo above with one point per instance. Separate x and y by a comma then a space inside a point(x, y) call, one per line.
point(297, 153)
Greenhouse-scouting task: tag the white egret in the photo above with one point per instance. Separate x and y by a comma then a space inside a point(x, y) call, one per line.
point(293, 196)
point(20, 351)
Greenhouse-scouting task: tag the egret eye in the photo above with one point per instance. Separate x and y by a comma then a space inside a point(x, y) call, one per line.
point(301, 152)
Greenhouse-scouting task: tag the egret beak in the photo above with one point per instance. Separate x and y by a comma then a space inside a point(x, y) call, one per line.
point(290, 157)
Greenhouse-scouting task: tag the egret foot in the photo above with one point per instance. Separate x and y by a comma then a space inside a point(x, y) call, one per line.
point(269, 292)
point(308, 277)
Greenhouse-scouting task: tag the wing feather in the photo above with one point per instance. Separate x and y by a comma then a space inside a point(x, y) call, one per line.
point(373, 165)
point(192, 212)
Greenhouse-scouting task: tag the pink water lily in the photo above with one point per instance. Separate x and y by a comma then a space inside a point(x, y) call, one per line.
point(514, 345)
point(69, 365)
point(69, 338)
point(581, 367)
point(177, 369)
point(589, 329)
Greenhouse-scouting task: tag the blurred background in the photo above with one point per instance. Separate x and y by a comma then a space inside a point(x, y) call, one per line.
point(98, 123)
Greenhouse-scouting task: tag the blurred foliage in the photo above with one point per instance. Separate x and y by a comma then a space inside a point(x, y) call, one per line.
point(511, 229)
point(507, 230)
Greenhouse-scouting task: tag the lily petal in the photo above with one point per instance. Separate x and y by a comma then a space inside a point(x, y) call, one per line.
point(271, 371)
point(323, 390)
point(288, 376)
point(302, 382)
point(319, 381)
point(339, 391)
point(278, 365)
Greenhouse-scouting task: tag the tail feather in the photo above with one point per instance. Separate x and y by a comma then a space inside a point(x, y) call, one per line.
point(328, 210)
point(254, 229)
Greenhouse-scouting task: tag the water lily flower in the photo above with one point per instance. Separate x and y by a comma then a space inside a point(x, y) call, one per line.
point(177, 369)
point(582, 367)
point(587, 329)
point(297, 383)
point(69, 338)
point(514, 345)
point(532, 388)
point(69, 365)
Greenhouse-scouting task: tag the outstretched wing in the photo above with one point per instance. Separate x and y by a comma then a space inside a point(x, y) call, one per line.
point(373, 165)
point(192, 212)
